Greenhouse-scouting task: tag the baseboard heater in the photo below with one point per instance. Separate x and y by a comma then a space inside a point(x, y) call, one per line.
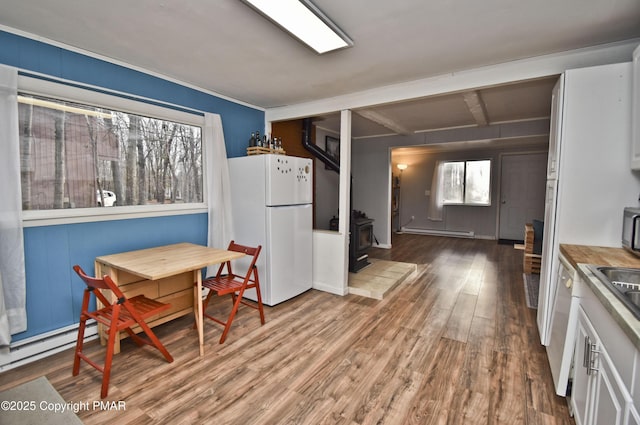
point(40, 346)
point(433, 232)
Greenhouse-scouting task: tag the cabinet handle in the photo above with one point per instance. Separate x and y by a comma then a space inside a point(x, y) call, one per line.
point(593, 352)
point(585, 354)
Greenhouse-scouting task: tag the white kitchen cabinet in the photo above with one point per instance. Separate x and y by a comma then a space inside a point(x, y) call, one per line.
point(581, 388)
point(632, 417)
point(599, 396)
point(635, 111)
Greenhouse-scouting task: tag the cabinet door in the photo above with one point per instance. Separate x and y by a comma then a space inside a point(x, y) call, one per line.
point(581, 388)
point(635, 112)
point(549, 266)
point(609, 400)
point(632, 417)
point(599, 396)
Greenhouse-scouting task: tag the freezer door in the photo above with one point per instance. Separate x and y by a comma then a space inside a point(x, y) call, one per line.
point(549, 267)
point(289, 180)
point(289, 249)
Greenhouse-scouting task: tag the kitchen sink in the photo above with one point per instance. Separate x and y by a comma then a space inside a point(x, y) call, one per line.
point(623, 282)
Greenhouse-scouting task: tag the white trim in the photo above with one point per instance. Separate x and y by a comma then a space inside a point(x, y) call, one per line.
point(129, 104)
point(96, 96)
point(37, 218)
point(373, 136)
point(319, 286)
point(122, 64)
point(450, 233)
point(344, 201)
point(524, 69)
point(43, 345)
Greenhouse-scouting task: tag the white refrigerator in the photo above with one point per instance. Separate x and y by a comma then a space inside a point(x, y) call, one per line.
point(589, 176)
point(271, 198)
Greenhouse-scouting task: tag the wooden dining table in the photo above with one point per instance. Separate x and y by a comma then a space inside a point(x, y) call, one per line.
point(167, 274)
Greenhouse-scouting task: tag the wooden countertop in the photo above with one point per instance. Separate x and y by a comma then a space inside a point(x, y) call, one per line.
point(579, 256)
point(599, 255)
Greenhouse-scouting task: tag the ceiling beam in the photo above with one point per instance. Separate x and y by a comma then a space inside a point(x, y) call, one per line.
point(492, 75)
point(384, 121)
point(477, 107)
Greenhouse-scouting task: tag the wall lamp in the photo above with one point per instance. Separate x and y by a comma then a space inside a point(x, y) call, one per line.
point(303, 20)
point(402, 167)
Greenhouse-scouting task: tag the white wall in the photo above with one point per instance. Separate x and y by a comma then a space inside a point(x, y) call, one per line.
point(327, 262)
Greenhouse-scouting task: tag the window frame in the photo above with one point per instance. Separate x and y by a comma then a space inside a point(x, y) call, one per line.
point(94, 96)
point(464, 183)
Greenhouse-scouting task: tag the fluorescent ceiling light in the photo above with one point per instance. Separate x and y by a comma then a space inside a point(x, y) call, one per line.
point(305, 22)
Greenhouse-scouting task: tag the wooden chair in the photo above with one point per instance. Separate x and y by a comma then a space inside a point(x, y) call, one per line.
point(234, 285)
point(118, 316)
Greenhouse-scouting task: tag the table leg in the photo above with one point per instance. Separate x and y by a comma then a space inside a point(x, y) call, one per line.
point(198, 310)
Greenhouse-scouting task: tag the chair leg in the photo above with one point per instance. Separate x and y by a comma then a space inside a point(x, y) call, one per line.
point(259, 294)
point(156, 342)
point(106, 374)
point(79, 345)
point(234, 310)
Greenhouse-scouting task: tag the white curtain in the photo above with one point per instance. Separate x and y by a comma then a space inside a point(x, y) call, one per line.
point(13, 313)
point(218, 186)
point(435, 201)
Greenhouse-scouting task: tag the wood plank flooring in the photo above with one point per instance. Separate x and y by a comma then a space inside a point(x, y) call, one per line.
point(455, 345)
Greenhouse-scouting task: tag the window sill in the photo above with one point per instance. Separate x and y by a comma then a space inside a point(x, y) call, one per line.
point(87, 215)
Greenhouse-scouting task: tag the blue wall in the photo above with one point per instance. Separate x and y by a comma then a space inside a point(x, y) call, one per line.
point(53, 292)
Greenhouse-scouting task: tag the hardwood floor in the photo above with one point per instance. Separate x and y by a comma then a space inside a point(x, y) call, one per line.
point(455, 345)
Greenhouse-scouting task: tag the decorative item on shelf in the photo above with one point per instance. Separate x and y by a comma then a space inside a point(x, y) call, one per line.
point(259, 150)
point(264, 145)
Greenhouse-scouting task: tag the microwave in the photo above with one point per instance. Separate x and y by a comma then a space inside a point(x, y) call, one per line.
point(631, 230)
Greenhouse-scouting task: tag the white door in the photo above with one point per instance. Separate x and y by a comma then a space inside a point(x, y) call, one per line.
point(288, 180)
point(549, 266)
point(557, 97)
point(522, 192)
point(289, 248)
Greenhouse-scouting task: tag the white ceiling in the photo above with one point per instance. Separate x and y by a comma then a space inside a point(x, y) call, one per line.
point(226, 47)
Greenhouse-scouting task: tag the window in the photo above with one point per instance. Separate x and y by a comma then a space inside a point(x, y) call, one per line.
point(76, 155)
point(466, 182)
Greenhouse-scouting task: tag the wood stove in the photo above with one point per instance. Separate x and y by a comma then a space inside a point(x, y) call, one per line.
point(360, 240)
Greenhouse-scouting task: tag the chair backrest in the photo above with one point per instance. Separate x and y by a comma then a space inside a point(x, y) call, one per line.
point(94, 283)
point(251, 251)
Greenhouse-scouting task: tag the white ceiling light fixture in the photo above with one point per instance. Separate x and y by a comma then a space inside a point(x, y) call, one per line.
point(305, 21)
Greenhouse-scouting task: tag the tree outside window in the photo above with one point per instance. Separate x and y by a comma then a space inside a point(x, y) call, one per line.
point(466, 182)
point(80, 156)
